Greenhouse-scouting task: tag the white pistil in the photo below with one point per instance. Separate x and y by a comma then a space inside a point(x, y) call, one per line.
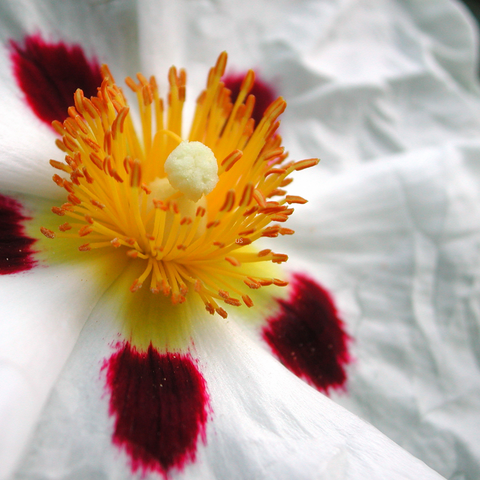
point(192, 168)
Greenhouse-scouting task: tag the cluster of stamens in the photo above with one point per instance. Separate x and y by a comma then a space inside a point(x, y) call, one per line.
point(203, 246)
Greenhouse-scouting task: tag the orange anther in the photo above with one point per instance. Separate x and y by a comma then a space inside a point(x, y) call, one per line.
point(96, 160)
point(84, 248)
point(279, 258)
point(233, 261)
point(136, 174)
point(97, 204)
point(279, 218)
point(246, 195)
point(48, 233)
point(68, 206)
point(311, 162)
point(60, 166)
point(64, 227)
point(247, 301)
point(230, 160)
point(145, 189)
point(286, 182)
point(74, 199)
point(213, 224)
point(229, 201)
point(250, 282)
point(276, 171)
point(232, 301)
point(61, 145)
point(209, 308)
point(85, 230)
point(279, 283)
point(58, 180)
point(136, 285)
point(295, 199)
point(68, 186)
point(58, 211)
point(87, 175)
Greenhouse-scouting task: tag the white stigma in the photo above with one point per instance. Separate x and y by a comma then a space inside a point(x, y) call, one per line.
point(192, 168)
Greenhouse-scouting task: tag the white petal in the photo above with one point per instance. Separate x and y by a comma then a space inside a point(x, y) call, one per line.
point(398, 244)
point(265, 422)
point(361, 79)
point(106, 33)
point(43, 312)
point(108, 30)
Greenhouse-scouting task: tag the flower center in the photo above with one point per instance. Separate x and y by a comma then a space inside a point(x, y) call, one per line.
point(190, 210)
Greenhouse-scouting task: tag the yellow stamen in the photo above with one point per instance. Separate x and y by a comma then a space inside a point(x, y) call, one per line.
point(193, 240)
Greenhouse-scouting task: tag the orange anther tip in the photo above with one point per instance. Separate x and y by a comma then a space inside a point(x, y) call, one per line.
point(233, 261)
point(247, 301)
point(48, 233)
point(303, 164)
point(84, 248)
point(64, 227)
point(85, 230)
point(232, 301)
point(209, 308)
point(58, 211)
point(136, 285)
point(295, 199)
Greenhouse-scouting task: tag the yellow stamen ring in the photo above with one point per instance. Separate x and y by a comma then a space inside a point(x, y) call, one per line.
point(119, 194)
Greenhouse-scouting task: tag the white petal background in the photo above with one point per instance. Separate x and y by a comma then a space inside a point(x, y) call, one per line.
point(385, 92)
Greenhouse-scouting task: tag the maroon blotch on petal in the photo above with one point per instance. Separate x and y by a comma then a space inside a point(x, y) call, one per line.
point(16, 248)
point(308, 336)
point(264, 93)
point(50, 73)
point(160, 405)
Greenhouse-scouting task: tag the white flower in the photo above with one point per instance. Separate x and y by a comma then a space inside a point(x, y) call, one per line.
point(396, 240)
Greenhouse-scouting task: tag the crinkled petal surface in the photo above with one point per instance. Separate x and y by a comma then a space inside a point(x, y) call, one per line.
point(398, 244)
point(263, 421)
point(362, 79)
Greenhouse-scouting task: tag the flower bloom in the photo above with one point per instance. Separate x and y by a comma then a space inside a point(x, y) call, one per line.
point(227, 405)
point(188, 208)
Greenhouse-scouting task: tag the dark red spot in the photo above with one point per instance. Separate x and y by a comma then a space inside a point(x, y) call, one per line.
point(308, 337)
point(160, 405)
point(16, 253)
point(264, 93)
point(50, 73)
